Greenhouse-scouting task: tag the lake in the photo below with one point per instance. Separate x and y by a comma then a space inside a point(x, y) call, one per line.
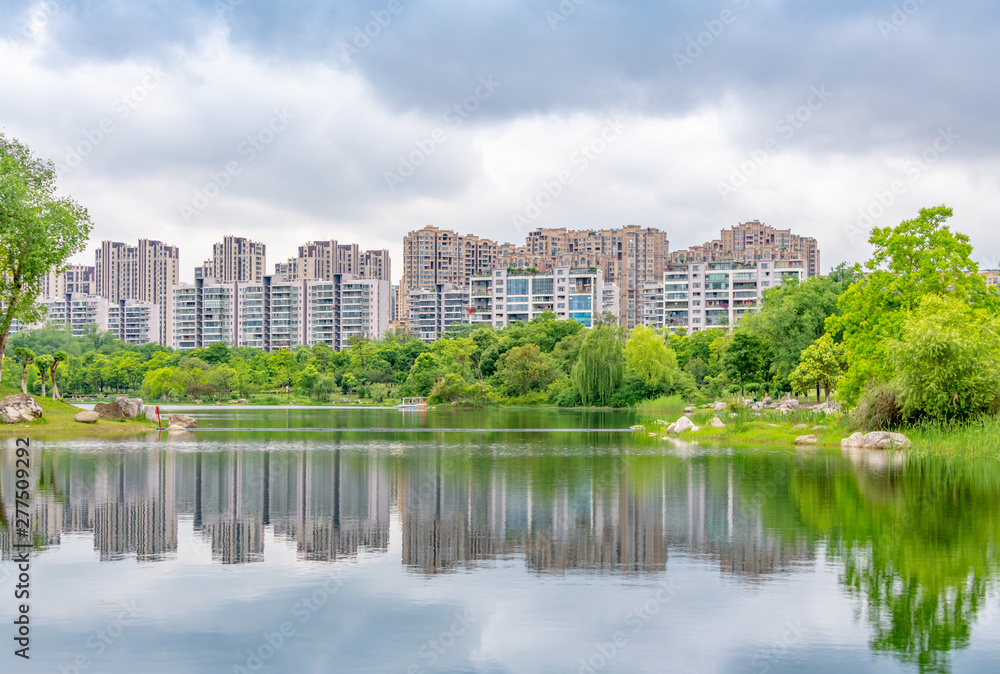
point(379, 540)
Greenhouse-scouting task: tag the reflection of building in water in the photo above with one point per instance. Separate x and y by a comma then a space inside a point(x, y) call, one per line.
point(230, 498)
point(331, 503)
point(612, 518)
point(619, 514)
point(133, 511)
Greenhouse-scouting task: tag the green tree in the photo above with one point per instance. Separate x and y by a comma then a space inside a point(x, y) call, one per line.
point(822, 364)
point(600, 366)
point(163, 383)
point(524, 369)
point(648, 355)
point(57, 358)
point(38, 233)
point(948, 361)
point(25, 357)
point(915, 259)
point(42, 364)
point(747, 357)
point(791, 317)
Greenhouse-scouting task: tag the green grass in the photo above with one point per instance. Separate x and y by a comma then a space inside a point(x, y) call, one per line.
point(979, 438)
point(57, 417)
point(674, 403)
point(772, 428)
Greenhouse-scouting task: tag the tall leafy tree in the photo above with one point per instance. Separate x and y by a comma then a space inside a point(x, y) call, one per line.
point(42, 364)
point(38, 233)
point(917, 258)
point(58, 357)
point(821, 365)
point(600, 367)
point(791, 317)
point(25, 357)
point(648, 355)
point(524, 369)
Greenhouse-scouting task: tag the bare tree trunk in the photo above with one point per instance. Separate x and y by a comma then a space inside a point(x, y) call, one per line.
point(43, 383)
point(24, 380)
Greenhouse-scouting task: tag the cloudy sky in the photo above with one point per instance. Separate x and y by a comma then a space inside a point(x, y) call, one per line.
point(185, 120)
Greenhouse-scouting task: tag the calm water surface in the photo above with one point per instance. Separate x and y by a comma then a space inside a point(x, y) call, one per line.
point(375, 540)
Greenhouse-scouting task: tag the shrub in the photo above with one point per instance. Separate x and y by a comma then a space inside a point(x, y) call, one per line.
point(878, 408)
point(948, 361)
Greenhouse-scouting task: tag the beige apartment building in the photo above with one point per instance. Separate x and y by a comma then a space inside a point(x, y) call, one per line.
point(432, 256)
point(75, 278)
point(754, 241)
point(144, 272)
point(628, 257)
point(320, 260)
point(235, 260)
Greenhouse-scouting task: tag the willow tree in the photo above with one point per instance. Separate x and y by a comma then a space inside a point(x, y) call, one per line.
point(600, 368)
point(38, 233)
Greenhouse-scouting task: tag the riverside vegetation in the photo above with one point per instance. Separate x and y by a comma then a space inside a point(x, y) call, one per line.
point(910, 340)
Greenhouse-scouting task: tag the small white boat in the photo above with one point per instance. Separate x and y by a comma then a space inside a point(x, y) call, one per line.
point(411, 403)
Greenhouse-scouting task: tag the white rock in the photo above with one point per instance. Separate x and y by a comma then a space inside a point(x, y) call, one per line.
point(806, 440)
point(716, 422)
point(19, 407)
point(682, 424)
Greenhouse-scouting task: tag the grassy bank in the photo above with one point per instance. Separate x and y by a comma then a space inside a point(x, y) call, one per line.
point(770, 428)
point(57, 417)
point(977, 438)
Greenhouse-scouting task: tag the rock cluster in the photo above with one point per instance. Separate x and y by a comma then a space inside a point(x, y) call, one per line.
point(876, 440)
point(19, 407)
point(122, 408)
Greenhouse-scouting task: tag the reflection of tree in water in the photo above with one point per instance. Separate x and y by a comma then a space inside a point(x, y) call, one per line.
point(918, 547)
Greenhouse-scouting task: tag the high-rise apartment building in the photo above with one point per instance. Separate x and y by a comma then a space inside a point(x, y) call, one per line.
point(321, 260)
point(433, 256)
point(628, 257)
point(76, 278)
point(753, 241)
point(145, 272)
point(276, 313)
point(235, 260)
point(715, 294)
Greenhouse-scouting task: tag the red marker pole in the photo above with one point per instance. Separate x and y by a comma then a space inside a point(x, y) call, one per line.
point(158, 424)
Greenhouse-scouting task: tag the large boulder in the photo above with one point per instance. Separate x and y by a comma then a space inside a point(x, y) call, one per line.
point(681, 425)
point(86, 417)
point(19, 407)
point(876, 440)
point(182, 420)
point(719, 407)
point(122, 408)
point(716, 422)
point(806, 440)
